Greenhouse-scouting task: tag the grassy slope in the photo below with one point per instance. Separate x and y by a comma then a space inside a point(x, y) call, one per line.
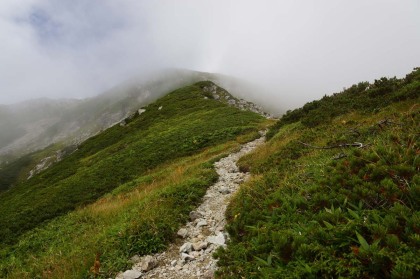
point(307, 215)
point(18, 170)
point(127, 160)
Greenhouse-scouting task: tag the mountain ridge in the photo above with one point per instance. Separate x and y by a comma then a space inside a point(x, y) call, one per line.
point(36, 124)
point(334, 192)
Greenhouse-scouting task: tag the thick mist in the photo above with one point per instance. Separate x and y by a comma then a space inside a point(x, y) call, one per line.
point(296, 51)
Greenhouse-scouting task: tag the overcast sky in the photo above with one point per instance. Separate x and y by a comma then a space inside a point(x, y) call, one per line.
point(299, 49)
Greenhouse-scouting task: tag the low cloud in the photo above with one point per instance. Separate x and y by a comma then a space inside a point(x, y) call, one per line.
point(297, 50)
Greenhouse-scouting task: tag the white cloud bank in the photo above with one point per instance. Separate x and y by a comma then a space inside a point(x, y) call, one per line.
point(299, 49)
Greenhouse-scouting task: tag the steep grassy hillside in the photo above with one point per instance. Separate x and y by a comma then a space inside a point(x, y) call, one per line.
point(335, 192)
point(18, 170)
point(182, 123)
point(138, 217)
point(35, 124)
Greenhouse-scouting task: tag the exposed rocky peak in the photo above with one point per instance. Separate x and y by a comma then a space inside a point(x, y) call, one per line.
point(220, 94)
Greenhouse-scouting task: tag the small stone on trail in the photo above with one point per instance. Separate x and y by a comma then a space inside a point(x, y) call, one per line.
point(131, 274)
point(219, 239)
point(194, 215)
point(187, 247)
point(199, 246)
point(195, 254)
point(173, 263)
point(148, 263)
point(201, 223)
point(182, 233)
point(186, 257)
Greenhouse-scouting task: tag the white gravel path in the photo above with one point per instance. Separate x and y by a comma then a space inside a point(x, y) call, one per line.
point(191, 255)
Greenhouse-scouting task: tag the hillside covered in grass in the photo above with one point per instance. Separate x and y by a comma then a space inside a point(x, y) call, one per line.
point(150, 171)
point(335, 192)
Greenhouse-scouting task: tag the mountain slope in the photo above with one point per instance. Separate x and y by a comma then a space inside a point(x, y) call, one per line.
point(154, 167)
point(33, 125)
point(335, 191)
point(60, 125)
point(181, 123)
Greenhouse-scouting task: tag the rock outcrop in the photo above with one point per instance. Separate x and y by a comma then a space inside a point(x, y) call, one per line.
point(223, 96)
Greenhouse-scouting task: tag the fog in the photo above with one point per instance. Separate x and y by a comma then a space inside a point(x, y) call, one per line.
point(296, 50)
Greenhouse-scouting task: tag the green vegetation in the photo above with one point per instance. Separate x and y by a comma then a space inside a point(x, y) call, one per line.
point(362, 97)
point(138, 217)
point(18, 170)
point(318, 207)
point(10, 173)
point(128, 160)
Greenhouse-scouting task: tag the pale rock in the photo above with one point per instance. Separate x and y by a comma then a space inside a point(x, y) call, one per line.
point(182, 233)
point(131, 274)
point(185, 248)
point(195, 254)
point(186, 257)
point(219, 239)
point(231, 102)
point(199, 246)
point(148, 263)
point(173, 263)
point(202, 223)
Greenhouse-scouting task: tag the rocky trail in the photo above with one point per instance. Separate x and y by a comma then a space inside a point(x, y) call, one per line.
point(191, 254)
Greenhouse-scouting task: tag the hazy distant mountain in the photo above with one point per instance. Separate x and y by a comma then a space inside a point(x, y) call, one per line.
point(35, 124)
point(23, 125)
